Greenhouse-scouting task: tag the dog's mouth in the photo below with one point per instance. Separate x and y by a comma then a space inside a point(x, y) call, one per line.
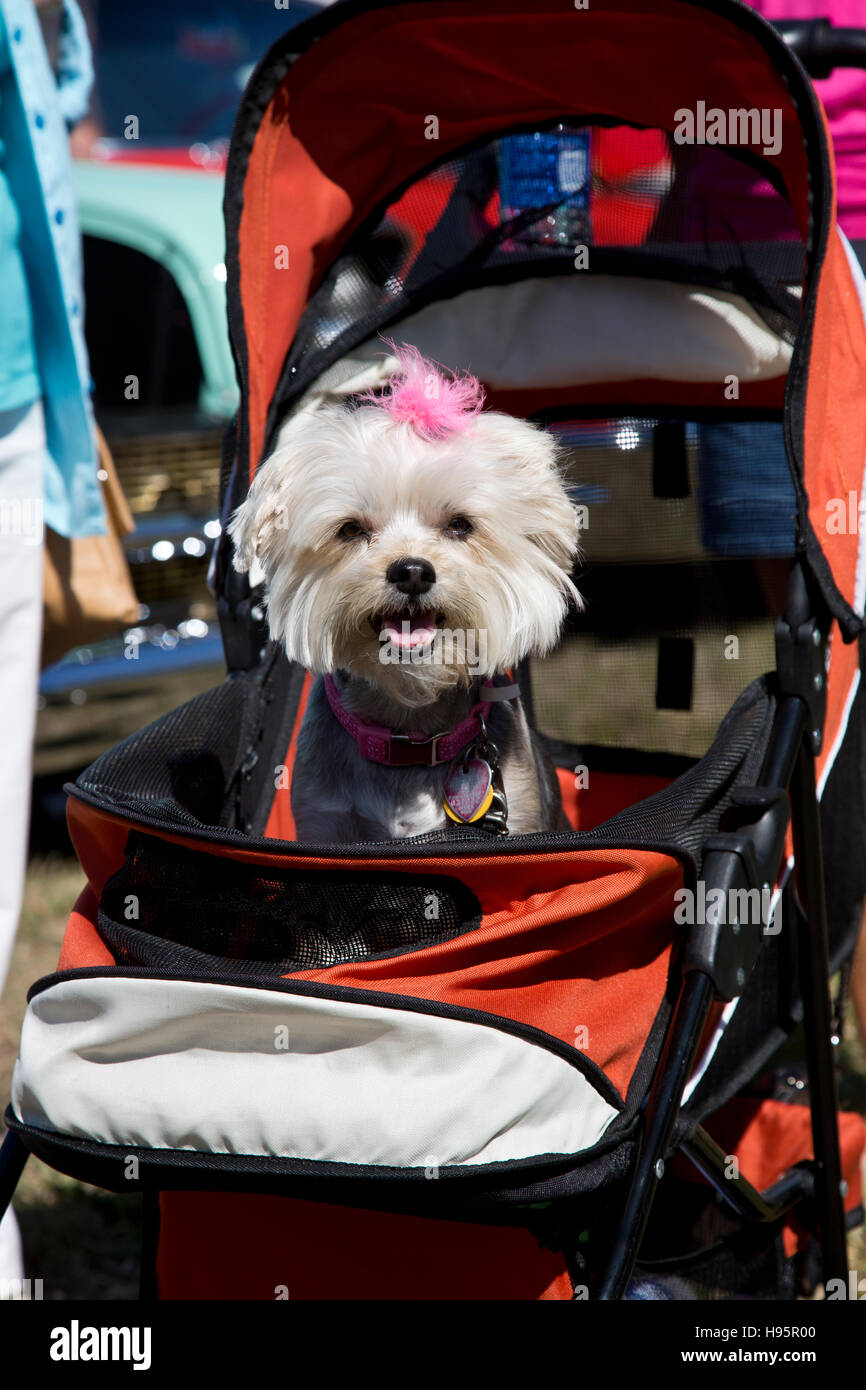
point(407, 628)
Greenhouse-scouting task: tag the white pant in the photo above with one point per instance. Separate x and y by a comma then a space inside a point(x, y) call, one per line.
point(22, 445)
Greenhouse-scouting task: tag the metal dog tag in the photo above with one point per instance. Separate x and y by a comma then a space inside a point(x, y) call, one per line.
point(468, 791)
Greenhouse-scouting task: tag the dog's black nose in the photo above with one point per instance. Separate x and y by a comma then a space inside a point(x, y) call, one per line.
point(411, 575)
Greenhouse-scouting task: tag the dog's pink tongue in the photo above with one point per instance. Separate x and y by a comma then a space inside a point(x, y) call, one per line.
point(409, 632)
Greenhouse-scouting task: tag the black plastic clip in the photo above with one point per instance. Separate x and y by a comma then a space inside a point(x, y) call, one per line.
point(801, 670)
point(243, 623)
point(733, 908)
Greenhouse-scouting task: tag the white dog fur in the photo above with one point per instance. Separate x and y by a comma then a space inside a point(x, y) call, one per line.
point(347, 492)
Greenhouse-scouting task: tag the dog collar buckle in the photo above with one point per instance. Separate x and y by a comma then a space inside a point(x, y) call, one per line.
point(419, 741)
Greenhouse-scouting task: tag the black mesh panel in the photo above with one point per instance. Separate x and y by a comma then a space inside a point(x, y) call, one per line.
point(658, 656)
point(210, 761)
point(696, 1249)
point(171, 908)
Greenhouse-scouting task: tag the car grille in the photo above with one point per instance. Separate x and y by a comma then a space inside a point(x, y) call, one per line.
point(171, 482)
point(170, 582)
point(170, 472)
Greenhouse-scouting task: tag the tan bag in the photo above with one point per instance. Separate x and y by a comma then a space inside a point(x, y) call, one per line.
point(88, 591)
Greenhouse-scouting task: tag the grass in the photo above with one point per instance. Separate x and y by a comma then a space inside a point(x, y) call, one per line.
point(84, 1243)
point(81, 1242)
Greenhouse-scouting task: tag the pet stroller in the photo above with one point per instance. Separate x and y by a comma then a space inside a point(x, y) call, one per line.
point(531, 1067)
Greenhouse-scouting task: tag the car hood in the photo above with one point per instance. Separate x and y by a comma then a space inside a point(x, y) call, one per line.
point(175, 217)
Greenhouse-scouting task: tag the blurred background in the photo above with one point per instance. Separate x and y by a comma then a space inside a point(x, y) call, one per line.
point(149, 166)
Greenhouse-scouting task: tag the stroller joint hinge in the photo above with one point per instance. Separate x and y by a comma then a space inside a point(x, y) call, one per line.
point(801, 665)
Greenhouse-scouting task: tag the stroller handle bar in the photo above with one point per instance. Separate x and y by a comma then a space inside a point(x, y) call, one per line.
point(821, 47)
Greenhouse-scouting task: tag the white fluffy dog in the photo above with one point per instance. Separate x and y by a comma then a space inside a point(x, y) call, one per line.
point(415, 547)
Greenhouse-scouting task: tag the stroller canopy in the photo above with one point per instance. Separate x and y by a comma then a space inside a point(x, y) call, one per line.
point(361, 142)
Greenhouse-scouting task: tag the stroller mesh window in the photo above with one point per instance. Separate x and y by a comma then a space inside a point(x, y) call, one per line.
point(569, 198)
point(171, 908)
point(190, 783)
point(655, 661)
point(659, 491)
point(187, 767)
point(685, 530)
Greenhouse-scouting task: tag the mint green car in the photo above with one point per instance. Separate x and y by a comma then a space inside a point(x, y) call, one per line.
point(173, 216)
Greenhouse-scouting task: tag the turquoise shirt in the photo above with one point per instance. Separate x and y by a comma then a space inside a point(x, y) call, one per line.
point(19, 378)
point(35, 110)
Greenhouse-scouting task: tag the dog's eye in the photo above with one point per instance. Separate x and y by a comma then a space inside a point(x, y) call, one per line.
point(350, 531)
point(459, 526)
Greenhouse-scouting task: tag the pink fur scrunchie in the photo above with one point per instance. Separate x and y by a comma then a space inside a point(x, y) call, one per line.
point(421, 396)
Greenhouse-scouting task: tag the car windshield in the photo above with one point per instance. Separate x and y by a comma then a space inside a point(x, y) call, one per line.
point(181, 67)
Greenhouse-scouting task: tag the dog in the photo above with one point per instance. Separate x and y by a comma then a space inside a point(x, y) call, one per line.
point(416, 548)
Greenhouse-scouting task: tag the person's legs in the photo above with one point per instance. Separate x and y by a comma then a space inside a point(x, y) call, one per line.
point(22, 442)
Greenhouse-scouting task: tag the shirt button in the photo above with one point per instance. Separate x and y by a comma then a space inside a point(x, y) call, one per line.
point(38, 121)
point(59, 216)
point(18, 35)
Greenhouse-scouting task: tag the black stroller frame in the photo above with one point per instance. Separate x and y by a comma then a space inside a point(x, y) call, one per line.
point(717, 963)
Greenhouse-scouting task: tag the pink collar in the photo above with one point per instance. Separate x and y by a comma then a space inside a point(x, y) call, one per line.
point(380, 745)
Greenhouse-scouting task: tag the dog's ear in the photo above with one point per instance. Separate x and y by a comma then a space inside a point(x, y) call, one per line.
point(267, 506)
point(553, 524)
point(548, 516)
point(262, 513)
